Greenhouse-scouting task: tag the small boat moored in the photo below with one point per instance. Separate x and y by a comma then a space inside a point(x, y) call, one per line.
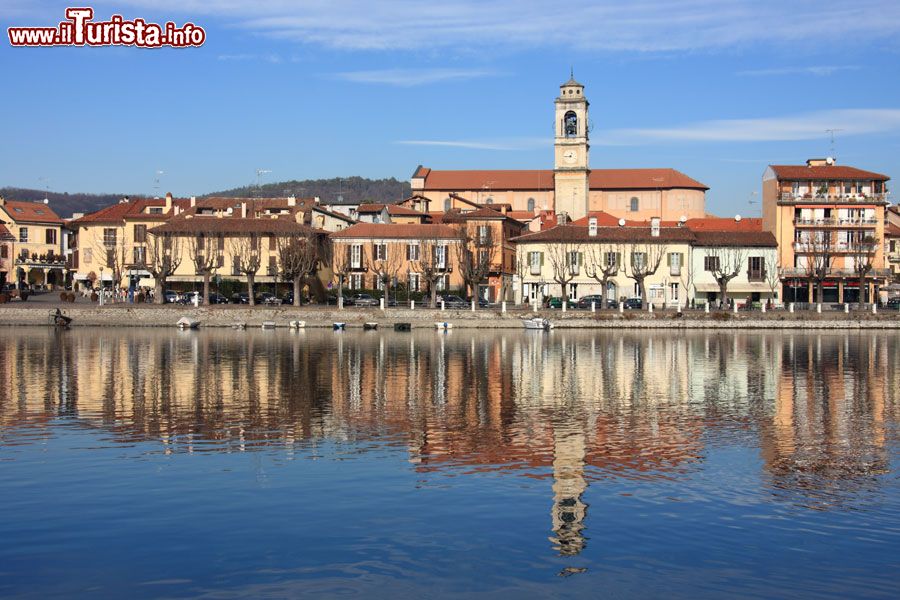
point(402, 327)
point(370, 326)
point(59, 319)
point(537, 323)
point(338, 326)
point(187, 323)
point(295, 324)
point(443, 326)
point(268, 324)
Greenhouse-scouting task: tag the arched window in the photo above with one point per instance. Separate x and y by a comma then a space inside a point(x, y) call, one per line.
point(531, 205)
point(634, 204)
point(447, 203)
point(570, 124)
point(490, 200)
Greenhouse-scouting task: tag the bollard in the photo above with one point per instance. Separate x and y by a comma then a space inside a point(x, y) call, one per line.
point(650, 307)
point(442, 305)
point(735, 307)
point(706, 308)
point(819, 307)
point(564, 305)
point(534, 305)
point(340, 303)
point(503, 306)
point(412, 305)
point(593, 307)
point(791, 307)
point(874, 308)
point(381, 303)
point(621, 307)
point(473, 305)
point(846, 308)
point(763, 305)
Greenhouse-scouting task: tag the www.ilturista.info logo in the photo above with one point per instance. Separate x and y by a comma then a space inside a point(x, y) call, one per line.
point(81, 30)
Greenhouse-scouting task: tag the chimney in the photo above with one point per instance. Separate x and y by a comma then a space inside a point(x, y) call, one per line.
point(592, 226)
point(193, 201)
point(292, 201)
point(243, 210)
point(654, 226)
point(168, 202)
point(561, 218)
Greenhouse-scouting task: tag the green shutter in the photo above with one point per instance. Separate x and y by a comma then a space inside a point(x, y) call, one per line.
point(542, 258)
point(581, 259)
point(669, 259)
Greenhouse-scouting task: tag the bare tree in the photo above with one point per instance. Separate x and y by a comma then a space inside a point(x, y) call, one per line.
point(602, 264)
point(113, 250)
point(386, 262)
point(864, 250)
point(773, 273)
point(820, 260)
point(688, 274)
point(162, 258)
point(298, 256)
point(565, 260)
point(342, 263)
point(475, 255)
point(433, 263)
point(245, 250)
point(644, 262)
point(727, 264)
point(207, 255)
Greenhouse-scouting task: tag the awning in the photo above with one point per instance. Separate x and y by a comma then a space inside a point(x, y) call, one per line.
point(146, 282)
point(748, 287)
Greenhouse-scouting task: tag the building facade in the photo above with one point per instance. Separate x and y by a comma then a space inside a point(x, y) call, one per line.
point(36, 252)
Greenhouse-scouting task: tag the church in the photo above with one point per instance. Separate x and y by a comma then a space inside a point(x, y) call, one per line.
point(572, 189)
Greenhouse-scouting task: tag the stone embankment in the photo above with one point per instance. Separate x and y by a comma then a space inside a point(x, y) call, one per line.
point(125, 315)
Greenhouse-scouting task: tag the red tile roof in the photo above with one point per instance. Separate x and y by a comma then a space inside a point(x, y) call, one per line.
point(891, 230)
point(5, 235)
point(543, 179)
point(116, 213)
point(738, 238)
point(397, 231)
point(393, 209)
point(192, 224)
point(580, 234)
point(724, 224)
point(824, 172)
point(30, 212)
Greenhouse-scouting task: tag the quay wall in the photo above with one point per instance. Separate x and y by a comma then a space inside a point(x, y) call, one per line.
point(226, 316)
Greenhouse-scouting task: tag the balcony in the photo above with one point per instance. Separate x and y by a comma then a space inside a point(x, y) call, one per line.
point(812, 247)
point(802, 273)
point(756, 276)
point(833, 222)
point(791, 198)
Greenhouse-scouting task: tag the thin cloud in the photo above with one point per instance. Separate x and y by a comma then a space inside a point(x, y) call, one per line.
point(270, 58)
point(806, 126)
point(511, 144)
point(412, 77)
point(607, 25)
point(818, 71)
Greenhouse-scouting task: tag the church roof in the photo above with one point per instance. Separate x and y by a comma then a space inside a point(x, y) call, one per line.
point(543, 179)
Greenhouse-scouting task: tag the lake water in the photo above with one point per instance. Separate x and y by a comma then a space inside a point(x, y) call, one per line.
point(146, 463)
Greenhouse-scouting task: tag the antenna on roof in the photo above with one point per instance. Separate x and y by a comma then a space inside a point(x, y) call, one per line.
point(832, 132)
point(46, 183)
point(156, 177)
point(259, 174)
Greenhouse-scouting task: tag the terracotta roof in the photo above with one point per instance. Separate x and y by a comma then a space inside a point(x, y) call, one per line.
point(724, 224)
point(5, 235)
point(824, 172)
point(579, 234)
point(737, 238)
point(393, 209)
point(396, 231)
point(891, 230)
point(193, 224)
point(30, 212)
point(116, 213)
point(542, 179)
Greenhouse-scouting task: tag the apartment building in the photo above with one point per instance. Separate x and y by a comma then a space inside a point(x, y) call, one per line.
point(828, 221)
point(35, 256)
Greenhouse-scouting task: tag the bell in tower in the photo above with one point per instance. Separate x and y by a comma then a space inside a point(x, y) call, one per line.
point(571, 167)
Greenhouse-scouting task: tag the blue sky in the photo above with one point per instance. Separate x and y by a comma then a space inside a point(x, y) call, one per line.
point(325, 88)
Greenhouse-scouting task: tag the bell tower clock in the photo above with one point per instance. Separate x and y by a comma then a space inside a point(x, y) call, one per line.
point(571, 146)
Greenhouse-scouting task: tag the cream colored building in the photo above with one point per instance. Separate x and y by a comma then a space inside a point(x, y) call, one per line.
point(36, 253)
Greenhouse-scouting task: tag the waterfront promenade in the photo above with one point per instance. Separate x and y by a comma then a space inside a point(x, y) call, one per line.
point(145, 315)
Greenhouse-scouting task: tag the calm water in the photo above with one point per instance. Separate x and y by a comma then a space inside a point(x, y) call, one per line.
point(220, 464)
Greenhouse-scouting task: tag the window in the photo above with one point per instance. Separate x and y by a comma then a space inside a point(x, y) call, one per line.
point(273, 244)
point(442, 283)
point(254, 243)
point(483, 234)
point(447, 204)
point(536, 260)
point(273, 266)
point(139, 255)
point(711, 263)
point(574, 260)
point(155, 210)
point(756, 268)
point(412, 251)
point(50, 236)
point(4, 251)
point(23, 254)
point(356, 280)
point(675, 261)
point(440, 256)
point(570, 124)
point(356, 256)
point(638, 260)
point(23, 235)
point(87, 255)
point(612, 259)
point(235, 266)
point(592, 227)
point(109, 237)
point(140, 234)
point(635, 204)
point(490, 200)
point(414, 282)
point(531, 205)
point(379, 251)
point(673, 292)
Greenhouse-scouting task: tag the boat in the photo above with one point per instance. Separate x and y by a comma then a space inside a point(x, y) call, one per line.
point(443, 325)
point(295, 324)
point(239, 325)
point(187, 323)
point(370, 326)
point(402, 326)
point(59, 319)
point(268, 324)
point(338, 326)
point(537, 323)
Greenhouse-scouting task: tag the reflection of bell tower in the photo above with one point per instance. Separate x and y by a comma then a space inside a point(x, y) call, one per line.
point(568, 485)
point(570, 165)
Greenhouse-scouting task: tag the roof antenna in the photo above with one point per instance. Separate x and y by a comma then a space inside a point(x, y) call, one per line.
point(572, 72)
point(832, 132)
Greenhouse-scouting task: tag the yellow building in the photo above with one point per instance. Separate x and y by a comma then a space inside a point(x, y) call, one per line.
point(826, 218)
point(36, 254)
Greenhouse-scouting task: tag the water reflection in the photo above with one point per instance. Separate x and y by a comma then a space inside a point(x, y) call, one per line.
point(573, 408)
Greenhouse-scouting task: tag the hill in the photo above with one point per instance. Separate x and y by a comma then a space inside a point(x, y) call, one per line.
point(351, 188)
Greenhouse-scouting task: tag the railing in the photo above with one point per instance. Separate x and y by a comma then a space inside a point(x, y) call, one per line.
point(832, 222)
point(756, 275)
point(859, 198)
point(834, 248)
point(41, 261)
point(843, 273)
point(675, 271)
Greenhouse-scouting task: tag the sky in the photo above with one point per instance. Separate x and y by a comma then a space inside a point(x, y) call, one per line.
point(717, 89)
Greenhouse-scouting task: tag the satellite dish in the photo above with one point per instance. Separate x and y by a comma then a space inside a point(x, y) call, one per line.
point(829, 160)
point(737, 218)
point(683, 218)
point(621, 222)
point(46, 201)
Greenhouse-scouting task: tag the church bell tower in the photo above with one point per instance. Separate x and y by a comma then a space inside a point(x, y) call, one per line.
point(571, 147)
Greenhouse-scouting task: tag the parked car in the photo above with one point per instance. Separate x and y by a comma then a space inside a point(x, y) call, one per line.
point(171, 297)
point(482, 303)
point(217, 299)
point(554, 302)
point(634, 304)
point(362, 300)
point(454, 302)
point(268, 298)
point(241, 298)
point(893, 303)
point(585, 301)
